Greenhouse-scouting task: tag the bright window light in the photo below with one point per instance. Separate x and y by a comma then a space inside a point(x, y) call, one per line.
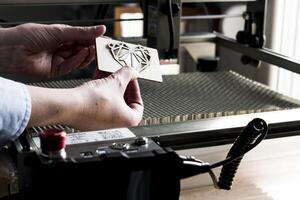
point(131, 28)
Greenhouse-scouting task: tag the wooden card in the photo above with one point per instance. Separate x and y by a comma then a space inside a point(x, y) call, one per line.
point(113, 54)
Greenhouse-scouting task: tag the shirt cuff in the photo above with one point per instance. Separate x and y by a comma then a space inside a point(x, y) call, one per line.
point(15, 110)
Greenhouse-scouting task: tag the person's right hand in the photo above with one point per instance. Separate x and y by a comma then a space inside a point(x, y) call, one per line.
point(110, 102)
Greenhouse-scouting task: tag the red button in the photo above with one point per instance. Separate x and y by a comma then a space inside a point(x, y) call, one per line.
point(52, 140)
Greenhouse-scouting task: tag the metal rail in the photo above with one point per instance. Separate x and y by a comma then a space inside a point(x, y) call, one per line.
point(64, 2)
point(262, 54)
point(71, 22)
point(197, 17)
point(200, 37)
point(221, 130)
point(60, 2)
point(208, 1)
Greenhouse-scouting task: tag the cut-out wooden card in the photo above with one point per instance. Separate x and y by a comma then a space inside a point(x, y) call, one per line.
point(113, 54)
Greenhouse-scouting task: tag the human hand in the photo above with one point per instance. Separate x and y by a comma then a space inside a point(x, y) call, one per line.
point(47, 50)
point(110, 102)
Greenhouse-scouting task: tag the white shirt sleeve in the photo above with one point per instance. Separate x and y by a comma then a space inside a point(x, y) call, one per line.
point(15, 109)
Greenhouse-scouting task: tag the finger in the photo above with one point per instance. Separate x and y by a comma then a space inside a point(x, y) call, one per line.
point(82, 35)
point(72, 63)
point(77, 48)
point(134, 101)
point(56, 61)
point(90, 58)
point(65, 54)
point(100, 74)
point(67, 51)
point(66, 46)
point(135, 114)
point(133, 94)
point(123, 76)
point(133, 111)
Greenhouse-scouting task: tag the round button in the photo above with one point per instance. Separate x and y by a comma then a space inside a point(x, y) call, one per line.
point(141, 141)
point(52, 140)
point(120, 146)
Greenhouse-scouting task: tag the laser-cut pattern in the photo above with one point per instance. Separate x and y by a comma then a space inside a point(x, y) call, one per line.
point(137, 58)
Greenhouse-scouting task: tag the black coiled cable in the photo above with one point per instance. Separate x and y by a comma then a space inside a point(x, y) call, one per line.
point(252, 135)
point(248, 137)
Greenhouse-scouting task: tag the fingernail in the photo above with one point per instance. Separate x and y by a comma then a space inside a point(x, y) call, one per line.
point(101, 29)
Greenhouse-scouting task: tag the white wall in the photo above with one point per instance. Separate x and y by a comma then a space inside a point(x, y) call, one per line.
point(283, 33)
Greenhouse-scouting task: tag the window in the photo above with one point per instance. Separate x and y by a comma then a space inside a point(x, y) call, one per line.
point(284, 37)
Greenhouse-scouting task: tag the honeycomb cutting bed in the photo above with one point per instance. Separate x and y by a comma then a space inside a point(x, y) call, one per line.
point(193, 96)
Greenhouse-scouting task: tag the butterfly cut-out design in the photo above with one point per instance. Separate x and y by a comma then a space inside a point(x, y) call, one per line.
point(137, 58)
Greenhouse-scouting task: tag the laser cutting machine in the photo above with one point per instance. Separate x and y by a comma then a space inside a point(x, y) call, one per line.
point(202, 106)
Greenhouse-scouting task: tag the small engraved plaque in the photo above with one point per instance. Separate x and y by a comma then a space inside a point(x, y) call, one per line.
point(113, 54)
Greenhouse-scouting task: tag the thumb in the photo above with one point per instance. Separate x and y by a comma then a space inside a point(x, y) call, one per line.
point(81, 35)
point(123, 76)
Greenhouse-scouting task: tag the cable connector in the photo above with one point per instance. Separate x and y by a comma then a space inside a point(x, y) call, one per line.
point(192, 166)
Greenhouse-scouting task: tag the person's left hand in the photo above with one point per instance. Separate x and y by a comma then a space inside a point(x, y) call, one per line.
point(47, 50)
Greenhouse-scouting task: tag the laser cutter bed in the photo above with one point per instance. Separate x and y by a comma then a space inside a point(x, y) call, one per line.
point(194, 97)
